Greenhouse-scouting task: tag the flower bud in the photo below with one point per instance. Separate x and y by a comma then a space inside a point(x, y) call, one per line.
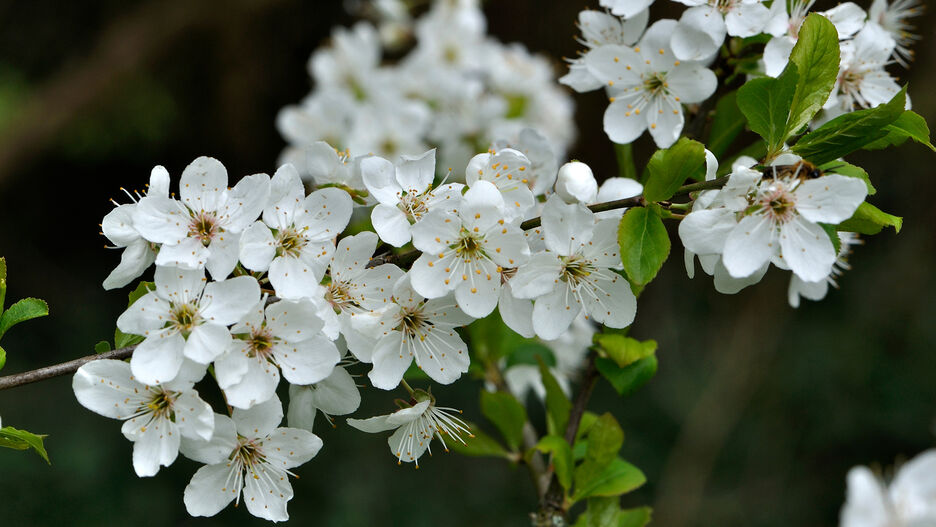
point(576, 183)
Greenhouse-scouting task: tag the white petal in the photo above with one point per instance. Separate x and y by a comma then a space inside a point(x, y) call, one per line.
point(222, 443)
point(148, 313)
point(847, 17)
point(391, 224)
point(158, 182)
point(699, 33)
point(245, 202)
point(158, 358)
point(832, 198)
point(118, 226)
point(613, 303)
point(554, 312)
point(203, 185)
point(691, 83)
point(207, 342)
point(352, 255)
point(477, 296)
point(777, 54)
point(257, 247)
point(226, 302)
point(665, 121)
point(622, 124)
point(436, 231)
point(538, 277)
point(161, 220)
point(194, 416)
point(294, 321)
point(302, 410)
point(434, 277)
point(705, 231)
point(807, 249)
point(135, 259)
point(107, 387)
point(749, 246)
point(338, 394)
point(210, 490)
point(914, 488)
point(380, 179)
point(308, 361)
point(415, 173)
point(222, 257)
point(290, 447)
point(325, 214)
point(179, 285)
point(566, 226)
point(286, 194)
point(391, 359)
point(190, 253)
point(516, 313)
point(156, 445)
point(260, 420)
point(729, 285)
point(258, 384)
point(747, 20)
point(865, 504)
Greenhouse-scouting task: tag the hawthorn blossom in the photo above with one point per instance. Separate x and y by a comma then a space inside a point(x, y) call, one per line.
point(909, 500)
point(286, 336)
point(184, 318)
point(248, 455)
point(505, 169)
point(541, 175)
point(415, 428)
point(575, 273)
point(155, 417)
point(893, 18)
point(294, 240)
point(702, 28)
point(405, 194)
point(648, 86)
point(202, 231)
point(356, 293)
point(782, 223)
point(601, 29)
point(337, 394)
point(817, 290)
point(466, 252)
point(576, 183)
point(417, 329)
point(118, 227)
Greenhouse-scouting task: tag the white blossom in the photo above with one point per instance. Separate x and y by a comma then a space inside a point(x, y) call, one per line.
point(702, 28)
point(184, 318)
point(155, 417)
point(248, 455)
point(817, 290)
point(600, 29)
point(909, 500)
point(576, 183)
point(337, 394)
point(893, 18)
point(506, 169)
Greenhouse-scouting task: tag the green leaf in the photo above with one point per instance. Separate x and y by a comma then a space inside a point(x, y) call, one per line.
point(481, 445)
point(849, 132)
point(3, 277)
point(561, 458)
point(728, 123)
point(624, 350)
point(25, 309)
point(603, 512)
point(850, 170)
point(2, 357)
point(869, 219)
point(832, 233)
point(141, 289)
point(669, 169)
point(638, 517)
point(557, 404)
point(529, 353)
point(816, 56)
point(645, 245)
point(619, 477)
point(625, 160)
point(21, 440)
point(909, 125)
point(585, 423)
point(507, 414)
point(628, 379)
point(765, 102)
point(102, 347)
point(492, 340)
point(604, 441)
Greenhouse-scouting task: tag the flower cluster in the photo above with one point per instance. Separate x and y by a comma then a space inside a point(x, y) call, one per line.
point(457, 89)
point(650, 73)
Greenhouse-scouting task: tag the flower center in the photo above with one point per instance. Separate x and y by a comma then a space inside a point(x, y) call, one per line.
point(290, 242)
point(184, 317)
point(260, 343)
point(160, 405)
point(204, 227)
point(248, 452)
point(656, 83)
point(469, 245)
point(339, 296)
point(779, 203)
point(414, 205)
point(412, 321)
point(576, 269)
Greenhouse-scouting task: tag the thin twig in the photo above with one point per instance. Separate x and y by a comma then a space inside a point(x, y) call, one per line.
point(65, 368)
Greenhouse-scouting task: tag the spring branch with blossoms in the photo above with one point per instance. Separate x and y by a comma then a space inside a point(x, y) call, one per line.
point(360, 255)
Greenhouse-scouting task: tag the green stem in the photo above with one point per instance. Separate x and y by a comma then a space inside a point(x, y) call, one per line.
point(406, 385)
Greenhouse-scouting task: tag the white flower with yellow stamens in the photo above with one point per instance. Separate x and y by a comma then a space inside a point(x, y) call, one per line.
point(506, 169)
point(465, 252)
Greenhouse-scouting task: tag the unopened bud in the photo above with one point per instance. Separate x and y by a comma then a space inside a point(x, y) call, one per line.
point(576, 183)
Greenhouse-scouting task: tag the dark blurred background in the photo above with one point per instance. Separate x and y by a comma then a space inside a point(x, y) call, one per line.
point(755, 416)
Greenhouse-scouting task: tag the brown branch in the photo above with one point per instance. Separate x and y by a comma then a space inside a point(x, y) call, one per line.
point(65, 368)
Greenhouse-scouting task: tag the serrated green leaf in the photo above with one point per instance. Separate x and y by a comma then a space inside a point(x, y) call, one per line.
point(816, 56)
point(765, 102)
point(604, 441)
point(624, 350)
point(481, 445)
point(507, 414)
point(669, 169)
point(102, 347)
point(21, 440)
point(849, 132)
point(561, 458)
point(557, 404)
point(909, 125)
point(618, 477)
point(850, 170)
point(25, 309)
point(869, 219)
point(628, 379)
point(638, 517)
point(644, 243)
point(728, 123)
